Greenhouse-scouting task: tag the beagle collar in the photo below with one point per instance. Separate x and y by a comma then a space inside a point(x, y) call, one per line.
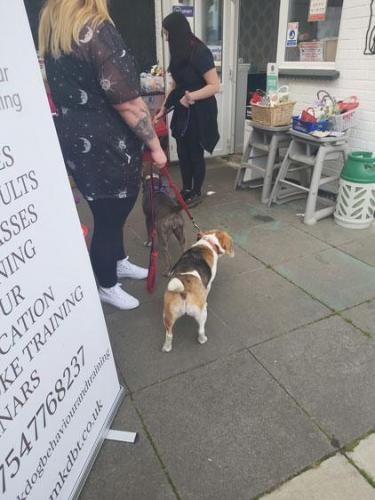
point(216, 247)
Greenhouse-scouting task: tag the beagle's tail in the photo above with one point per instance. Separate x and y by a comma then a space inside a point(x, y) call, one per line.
point(176, 286)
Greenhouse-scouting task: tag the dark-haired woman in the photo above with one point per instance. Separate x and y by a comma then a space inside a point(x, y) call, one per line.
point(194, 122)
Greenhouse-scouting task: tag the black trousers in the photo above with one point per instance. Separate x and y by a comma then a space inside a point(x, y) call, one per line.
point(191, 156)
point(107, 244)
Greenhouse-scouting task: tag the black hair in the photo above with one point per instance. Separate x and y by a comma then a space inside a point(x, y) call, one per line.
point(180, 38)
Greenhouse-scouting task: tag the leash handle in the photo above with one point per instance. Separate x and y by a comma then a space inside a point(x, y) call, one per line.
point(171, 108)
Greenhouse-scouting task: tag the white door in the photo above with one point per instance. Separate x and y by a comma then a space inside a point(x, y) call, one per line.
point(216, 25)
point(215, 22)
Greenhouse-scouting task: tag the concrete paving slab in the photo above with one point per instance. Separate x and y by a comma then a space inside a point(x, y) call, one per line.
point(291, 212)
point(363, 456)
point(278, 242)
point(232, 217)
point(220, 179)
point(260, 305)
point(229, 267)
point(228, 431)
point(211, 201)
point(363, 249)
point(330, 232)
point(335, 278)
point(334, 479)
point(363, 316)
point(137, 337)
point(130, 471)
point(329, 368)
point(223, 187)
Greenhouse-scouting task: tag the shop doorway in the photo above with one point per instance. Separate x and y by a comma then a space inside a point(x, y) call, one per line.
point(257, 45)
point(216, 23)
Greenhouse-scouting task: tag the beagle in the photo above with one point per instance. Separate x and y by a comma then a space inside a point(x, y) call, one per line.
point(190, 283)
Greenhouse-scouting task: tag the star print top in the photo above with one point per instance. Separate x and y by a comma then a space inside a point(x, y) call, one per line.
point(100, 150)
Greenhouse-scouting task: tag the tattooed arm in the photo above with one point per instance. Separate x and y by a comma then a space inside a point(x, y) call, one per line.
point(136, 114)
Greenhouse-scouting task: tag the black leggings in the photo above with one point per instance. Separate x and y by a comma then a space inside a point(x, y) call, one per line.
point(107, 244)
point(191, 156)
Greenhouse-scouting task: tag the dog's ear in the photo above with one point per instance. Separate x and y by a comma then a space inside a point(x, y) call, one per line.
point(226, 242)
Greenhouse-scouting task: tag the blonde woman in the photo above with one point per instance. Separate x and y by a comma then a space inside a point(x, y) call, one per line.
point(102, 123)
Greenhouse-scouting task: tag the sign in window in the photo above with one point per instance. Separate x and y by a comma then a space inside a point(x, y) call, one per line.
point(318, 23)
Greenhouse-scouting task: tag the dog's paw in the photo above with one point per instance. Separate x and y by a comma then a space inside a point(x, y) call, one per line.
point(166, 348)
point(147, 243)
point(202, 339)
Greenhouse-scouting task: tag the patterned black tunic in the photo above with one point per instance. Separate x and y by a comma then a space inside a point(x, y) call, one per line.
point(100, 150)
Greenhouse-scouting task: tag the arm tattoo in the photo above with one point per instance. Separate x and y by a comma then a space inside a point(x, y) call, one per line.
point(143, 127)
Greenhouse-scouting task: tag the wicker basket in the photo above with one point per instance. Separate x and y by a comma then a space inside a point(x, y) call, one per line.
point(277, 116)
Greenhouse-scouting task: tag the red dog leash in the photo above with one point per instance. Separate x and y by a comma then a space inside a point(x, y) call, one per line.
point(165, 173)
point(151, 277)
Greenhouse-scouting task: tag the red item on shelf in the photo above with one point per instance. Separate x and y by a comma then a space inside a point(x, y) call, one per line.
point(308, 116)
point(255, 98)
point(348, 104)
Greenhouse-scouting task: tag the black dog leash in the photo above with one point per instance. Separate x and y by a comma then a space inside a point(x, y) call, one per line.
point(186, 126)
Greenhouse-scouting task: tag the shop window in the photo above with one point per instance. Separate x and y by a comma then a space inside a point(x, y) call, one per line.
point(212, 29)
point(312, 31)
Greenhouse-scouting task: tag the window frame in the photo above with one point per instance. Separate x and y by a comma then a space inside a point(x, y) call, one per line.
point(281, 45)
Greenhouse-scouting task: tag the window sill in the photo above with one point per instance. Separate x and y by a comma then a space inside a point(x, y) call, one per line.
point(315, 73)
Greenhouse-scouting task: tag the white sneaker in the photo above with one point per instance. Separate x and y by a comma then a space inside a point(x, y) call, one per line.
point(117, 297)
point(125, 269)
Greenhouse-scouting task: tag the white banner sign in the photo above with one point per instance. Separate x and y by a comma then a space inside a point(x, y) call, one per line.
point(58, 382)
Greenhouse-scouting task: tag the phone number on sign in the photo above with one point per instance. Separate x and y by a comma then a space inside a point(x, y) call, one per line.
point(11, 464)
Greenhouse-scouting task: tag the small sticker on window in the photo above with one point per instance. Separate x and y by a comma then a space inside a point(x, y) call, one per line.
point(292, 35)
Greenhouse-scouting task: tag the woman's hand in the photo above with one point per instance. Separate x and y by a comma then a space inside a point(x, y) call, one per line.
point(187, 100)
point(158, 157)
point(159, 114)
point(211, 88)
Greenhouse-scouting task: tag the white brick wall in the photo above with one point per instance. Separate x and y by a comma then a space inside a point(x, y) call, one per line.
point(357, 74)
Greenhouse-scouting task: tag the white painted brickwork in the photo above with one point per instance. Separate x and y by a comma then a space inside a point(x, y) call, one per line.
point(357, 74)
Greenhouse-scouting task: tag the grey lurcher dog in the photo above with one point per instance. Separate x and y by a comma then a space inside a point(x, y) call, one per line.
point(167, 214)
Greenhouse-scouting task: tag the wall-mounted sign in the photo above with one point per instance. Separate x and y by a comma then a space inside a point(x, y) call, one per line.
point(317, 10)
point(186, 10)
point(272, 78)
point(292, 35)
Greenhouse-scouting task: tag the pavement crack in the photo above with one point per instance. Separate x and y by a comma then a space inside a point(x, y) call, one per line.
point(156, 451)
point(331, 439)
point(363, 473)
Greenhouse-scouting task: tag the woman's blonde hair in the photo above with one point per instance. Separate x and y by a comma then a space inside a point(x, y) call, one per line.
point(61, 22)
